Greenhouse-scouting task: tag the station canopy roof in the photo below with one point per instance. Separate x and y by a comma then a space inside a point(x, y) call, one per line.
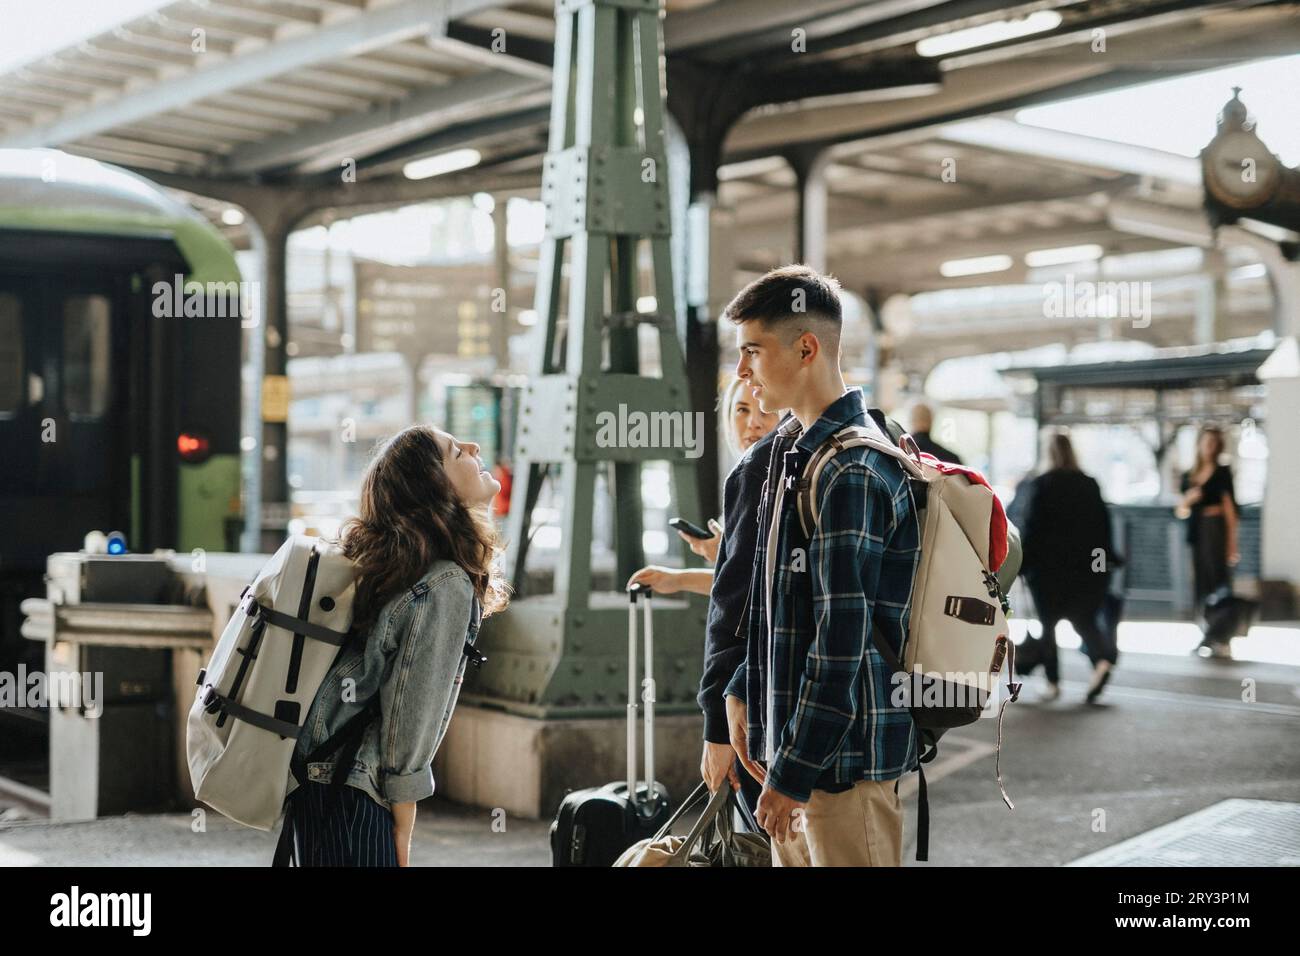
point(283, 91)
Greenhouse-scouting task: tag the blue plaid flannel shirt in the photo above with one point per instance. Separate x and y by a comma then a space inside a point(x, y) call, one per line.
point(832, 718)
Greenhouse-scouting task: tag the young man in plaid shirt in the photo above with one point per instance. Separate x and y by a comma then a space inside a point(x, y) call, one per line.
point(809, 710)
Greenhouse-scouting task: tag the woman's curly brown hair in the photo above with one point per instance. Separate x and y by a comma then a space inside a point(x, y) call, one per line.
point(411, 516)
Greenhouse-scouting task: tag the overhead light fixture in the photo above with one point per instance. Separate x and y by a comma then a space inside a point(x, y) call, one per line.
point(232, 216)
point(988, 33)
point(1184, 227)
point(955, 268)
point(884, 94)
point(441, 164)
point(1062, 255)
point(747, 168)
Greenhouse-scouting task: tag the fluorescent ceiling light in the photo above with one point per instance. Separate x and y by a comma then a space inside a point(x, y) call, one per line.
point(232, 216)
point(883, 94)
point(973, 267)
point(1062, 255)
point(753, 167)
point(945, 43)
point(441, 164)
point(1254, 271)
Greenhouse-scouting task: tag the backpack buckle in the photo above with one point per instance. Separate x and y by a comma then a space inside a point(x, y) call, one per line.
point(995, 591)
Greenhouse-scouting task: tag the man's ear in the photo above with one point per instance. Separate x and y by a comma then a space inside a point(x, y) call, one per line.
point(808, 347)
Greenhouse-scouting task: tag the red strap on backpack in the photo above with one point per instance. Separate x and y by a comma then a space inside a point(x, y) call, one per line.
point(998, 517)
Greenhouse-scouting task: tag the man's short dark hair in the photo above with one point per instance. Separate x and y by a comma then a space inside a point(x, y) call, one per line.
point(788, 294)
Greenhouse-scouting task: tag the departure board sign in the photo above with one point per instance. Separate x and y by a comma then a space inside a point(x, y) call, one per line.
point(426, 310)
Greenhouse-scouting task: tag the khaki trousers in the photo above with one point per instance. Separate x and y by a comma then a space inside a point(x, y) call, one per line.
point(859, 827)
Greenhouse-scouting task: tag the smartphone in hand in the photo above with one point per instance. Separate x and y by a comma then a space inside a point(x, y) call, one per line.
point(686, 527)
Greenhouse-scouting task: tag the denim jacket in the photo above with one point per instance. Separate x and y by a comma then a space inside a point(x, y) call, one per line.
point(414, 658)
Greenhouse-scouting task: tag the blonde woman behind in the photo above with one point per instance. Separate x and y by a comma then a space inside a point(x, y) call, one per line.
point(747, 424)
point(731, 550)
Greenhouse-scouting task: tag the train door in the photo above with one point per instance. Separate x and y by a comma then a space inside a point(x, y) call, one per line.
point(64, 375)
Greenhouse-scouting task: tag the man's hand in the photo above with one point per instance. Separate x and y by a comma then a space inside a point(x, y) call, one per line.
point(736, 717)
point(718, 764)
point(776, 813)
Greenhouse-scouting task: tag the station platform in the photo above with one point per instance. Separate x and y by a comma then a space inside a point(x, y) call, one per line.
point(1172, 743)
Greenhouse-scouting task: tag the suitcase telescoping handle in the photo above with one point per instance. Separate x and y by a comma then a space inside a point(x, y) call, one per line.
point(647, 695)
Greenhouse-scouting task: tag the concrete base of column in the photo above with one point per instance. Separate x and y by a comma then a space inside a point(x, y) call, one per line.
point(524, 765)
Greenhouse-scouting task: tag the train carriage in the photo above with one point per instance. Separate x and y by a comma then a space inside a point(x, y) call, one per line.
point(118, 410)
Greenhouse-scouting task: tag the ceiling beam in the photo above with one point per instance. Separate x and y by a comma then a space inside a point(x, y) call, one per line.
point(523, 70)
point(989, 202)
point(324, 145)
point(754, 24)
point(338, 40)
point(517, 54)
point(1008, 136)
point(516, 127)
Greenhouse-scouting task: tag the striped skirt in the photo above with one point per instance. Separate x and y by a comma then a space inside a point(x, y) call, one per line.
point(343, 829)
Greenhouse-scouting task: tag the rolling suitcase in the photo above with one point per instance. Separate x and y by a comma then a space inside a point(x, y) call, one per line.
point(594, 826)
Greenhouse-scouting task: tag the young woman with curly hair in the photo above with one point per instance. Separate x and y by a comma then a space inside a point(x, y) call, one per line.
point(424, 547)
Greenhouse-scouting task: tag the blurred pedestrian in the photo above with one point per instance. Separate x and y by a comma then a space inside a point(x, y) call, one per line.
point(1209, 504)
point(1068, 558)
point(922, 422)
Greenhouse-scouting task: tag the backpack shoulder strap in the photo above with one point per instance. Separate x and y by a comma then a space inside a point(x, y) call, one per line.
point(853, 436)
point(888, 426)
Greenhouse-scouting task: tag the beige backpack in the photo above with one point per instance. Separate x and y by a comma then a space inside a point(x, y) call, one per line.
point(957, 642)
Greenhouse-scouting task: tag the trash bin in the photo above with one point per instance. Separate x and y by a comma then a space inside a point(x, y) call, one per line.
point(136, 759)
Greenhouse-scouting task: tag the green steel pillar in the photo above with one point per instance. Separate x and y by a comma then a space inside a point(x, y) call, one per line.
point(605, 186)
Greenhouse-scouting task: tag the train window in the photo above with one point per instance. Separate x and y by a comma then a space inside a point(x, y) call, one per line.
point(11, 353)
point(86, 353)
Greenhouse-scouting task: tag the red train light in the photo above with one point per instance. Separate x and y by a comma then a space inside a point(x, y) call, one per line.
point(193, 447)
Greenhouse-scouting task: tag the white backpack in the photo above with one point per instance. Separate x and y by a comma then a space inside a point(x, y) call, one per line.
point(957, 640)
point(257, 689)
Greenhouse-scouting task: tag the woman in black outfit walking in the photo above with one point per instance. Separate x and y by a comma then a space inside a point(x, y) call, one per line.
point(1210, 503)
